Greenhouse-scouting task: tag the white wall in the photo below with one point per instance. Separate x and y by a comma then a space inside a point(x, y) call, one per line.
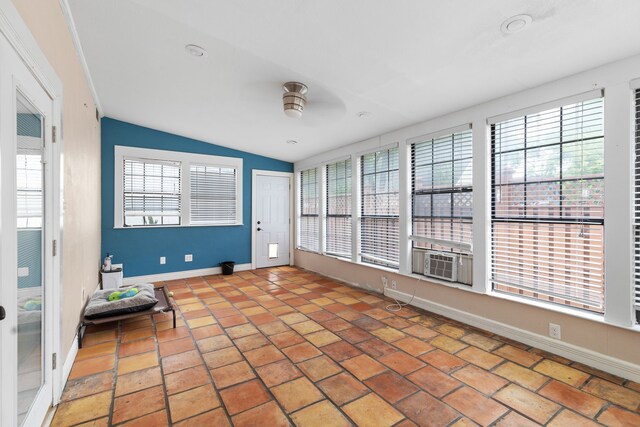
point(620, 340)
point(81, 131)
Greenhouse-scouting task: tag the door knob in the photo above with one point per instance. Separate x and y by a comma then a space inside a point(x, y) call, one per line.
point(259, 229)
point(3, 313)
point(258, 222)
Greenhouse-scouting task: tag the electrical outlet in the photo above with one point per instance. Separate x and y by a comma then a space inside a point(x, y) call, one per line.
point(384, 281)
point(163, 260)
point(394, 284)
point(555, 331)
point(188, 258)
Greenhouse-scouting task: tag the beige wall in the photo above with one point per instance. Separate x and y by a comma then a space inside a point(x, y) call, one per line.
point(605, 339)
point(81, 134)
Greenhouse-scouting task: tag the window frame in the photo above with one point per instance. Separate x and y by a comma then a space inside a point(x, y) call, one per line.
point(300, 207)
point(325, 206)
point(186, 160)
point(360, 196)
point(558, 220)
point(441, 245)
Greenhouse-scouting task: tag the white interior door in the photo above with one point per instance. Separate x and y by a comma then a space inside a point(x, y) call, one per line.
point(26, 371)
point(272, 220)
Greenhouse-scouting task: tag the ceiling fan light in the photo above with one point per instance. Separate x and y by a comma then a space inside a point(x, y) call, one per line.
point(292, 112)
point(293, 99)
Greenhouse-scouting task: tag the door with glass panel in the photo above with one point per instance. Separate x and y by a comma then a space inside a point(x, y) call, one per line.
point(26, 245)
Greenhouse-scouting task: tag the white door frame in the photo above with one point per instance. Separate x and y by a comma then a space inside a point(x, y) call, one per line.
point(254, 176)
point(14, 29)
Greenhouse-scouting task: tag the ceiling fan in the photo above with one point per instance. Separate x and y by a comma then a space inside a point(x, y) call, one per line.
point(322, 105)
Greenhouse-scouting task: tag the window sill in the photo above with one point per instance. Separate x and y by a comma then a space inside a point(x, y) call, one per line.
point(153, 227)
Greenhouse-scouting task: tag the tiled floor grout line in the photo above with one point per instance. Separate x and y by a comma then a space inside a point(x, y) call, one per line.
point(233, 344)
point(115, 374)
point(119, 341)
point(256, 288)
point(164, 386)
point(286, 357)
point(195, 343)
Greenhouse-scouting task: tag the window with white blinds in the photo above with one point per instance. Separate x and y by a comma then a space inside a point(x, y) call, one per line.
point(441, 190)
point(309, 221)
point(636, 223)
point(151, 192)
point(213, 195)
point(168, 188)
point(547, 210)
point(380, 210)
point(338, 209)
point(29, 183)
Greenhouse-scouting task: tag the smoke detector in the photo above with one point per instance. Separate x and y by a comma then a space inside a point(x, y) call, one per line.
point(515, 24)
point(195, 50)
point(294, 99)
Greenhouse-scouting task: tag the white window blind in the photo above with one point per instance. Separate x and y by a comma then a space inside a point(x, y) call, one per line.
point(29, 185)
point(151, 192)
point(379, 221)
point(636, 224)
point(548, 205)
point(213, 195)
point(441, 189)
point(338, 210)
point(308, 234)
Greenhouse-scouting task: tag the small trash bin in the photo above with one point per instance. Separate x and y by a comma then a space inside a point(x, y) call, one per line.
point(227, 267)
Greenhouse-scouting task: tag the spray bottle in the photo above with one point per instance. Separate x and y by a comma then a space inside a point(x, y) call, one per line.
point(106, 266)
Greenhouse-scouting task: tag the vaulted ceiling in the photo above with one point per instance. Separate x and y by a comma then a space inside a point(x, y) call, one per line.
point(403, 61)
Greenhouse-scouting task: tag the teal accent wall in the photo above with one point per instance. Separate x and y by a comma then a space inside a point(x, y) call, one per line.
point(140, 249)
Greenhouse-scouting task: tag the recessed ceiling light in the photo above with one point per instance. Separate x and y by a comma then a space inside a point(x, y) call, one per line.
point(195, 50)
point(515, 24)
point(292, 141)
point(364, 114)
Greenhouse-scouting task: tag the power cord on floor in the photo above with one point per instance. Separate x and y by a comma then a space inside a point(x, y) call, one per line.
point(397, 306)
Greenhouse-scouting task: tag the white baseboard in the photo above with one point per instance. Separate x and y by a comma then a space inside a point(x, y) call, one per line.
point(591, 358)
point(66, 367)
point(180, 274)
point(365, 286)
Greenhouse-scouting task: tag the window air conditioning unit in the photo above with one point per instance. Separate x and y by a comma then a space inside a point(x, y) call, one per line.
point(441, 265)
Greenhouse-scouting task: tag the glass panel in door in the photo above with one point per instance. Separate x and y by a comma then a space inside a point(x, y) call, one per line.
point(30, 230)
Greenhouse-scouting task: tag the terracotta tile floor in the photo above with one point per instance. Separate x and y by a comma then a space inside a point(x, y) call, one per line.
point(285, 346)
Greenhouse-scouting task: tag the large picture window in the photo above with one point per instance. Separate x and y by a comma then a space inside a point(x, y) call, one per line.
point(338, 209)
point(309, 220)
point(547, 210)
point(380, 210)
point(441, 190)
point(167, 188)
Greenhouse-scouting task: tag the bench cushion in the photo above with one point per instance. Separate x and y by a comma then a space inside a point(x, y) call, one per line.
point(99, 305)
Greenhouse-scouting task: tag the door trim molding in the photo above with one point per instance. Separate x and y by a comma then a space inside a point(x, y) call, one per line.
point(17, 33)
point(19, 37)
point(254, 176)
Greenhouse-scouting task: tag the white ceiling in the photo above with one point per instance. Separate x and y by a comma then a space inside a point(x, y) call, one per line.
point(404, 61)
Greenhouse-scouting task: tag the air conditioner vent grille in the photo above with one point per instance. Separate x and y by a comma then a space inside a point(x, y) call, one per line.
point(441, 265)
